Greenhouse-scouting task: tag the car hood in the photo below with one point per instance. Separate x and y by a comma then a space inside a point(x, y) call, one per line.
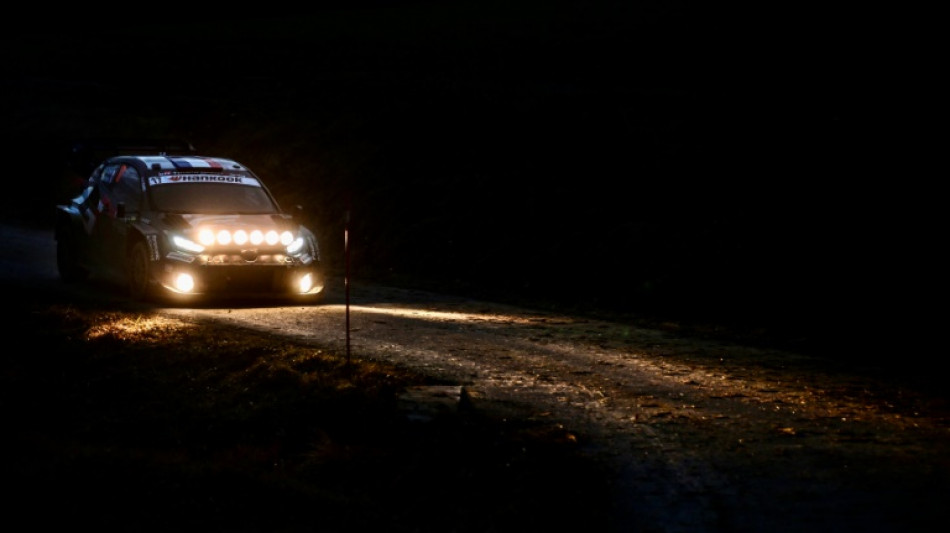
point(231, 222)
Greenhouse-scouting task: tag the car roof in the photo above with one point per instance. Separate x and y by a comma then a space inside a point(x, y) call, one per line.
point(156, 163)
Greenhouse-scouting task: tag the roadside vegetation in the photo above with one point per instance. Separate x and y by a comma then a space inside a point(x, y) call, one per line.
point(125, 420)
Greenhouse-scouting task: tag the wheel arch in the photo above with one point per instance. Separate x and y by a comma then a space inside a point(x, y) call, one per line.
point(140, 288)
point(64, 222)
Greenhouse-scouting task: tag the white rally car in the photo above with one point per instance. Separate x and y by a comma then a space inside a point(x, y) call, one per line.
point(186, 227)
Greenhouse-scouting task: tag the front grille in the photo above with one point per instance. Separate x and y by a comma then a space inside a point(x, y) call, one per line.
point(241, 279)
point(245, 257)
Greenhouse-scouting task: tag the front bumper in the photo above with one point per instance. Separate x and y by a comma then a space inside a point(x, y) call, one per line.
point(240, 274)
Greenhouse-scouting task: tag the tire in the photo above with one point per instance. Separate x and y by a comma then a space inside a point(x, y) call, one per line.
point(67, 260)
point(138, 273)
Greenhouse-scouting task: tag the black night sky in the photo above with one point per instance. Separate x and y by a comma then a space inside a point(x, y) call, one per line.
point(650, 157)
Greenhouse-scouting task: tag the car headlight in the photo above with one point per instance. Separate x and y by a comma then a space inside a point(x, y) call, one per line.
point(294, 247)
point(222, 237)
point(286, 238)
point(305, 283)
point(186, 245)
point(206, 237)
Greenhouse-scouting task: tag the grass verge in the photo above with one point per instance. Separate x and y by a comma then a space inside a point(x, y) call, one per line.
point(124, 420)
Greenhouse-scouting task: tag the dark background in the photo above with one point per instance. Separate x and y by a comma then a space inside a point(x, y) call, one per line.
point(658, 159)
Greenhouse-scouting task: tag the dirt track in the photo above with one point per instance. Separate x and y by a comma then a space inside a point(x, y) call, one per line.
point(703, 435)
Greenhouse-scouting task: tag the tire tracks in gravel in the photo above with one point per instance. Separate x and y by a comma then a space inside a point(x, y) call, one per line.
point(703, 435)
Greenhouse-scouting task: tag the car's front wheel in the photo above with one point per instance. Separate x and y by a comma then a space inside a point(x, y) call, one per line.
point(139, 276)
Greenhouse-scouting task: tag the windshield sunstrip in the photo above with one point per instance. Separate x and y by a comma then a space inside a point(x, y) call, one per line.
point(233, 179)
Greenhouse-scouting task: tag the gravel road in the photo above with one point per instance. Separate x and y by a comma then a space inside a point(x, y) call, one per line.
point(703, 435)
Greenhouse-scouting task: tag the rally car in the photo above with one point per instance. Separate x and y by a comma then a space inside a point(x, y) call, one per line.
point(185, 227)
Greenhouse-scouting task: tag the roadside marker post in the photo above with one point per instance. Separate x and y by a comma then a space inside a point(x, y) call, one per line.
point(346, 279)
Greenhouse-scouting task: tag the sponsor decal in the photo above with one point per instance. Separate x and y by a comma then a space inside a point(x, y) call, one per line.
point(186, 162)
point(195, 162)
point(234, 179)
point(152, 241)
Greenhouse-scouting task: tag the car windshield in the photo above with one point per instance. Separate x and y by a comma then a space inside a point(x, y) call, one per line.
point(212, 198)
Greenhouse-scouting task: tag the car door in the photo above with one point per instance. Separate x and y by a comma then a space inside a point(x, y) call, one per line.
point(120, 194)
